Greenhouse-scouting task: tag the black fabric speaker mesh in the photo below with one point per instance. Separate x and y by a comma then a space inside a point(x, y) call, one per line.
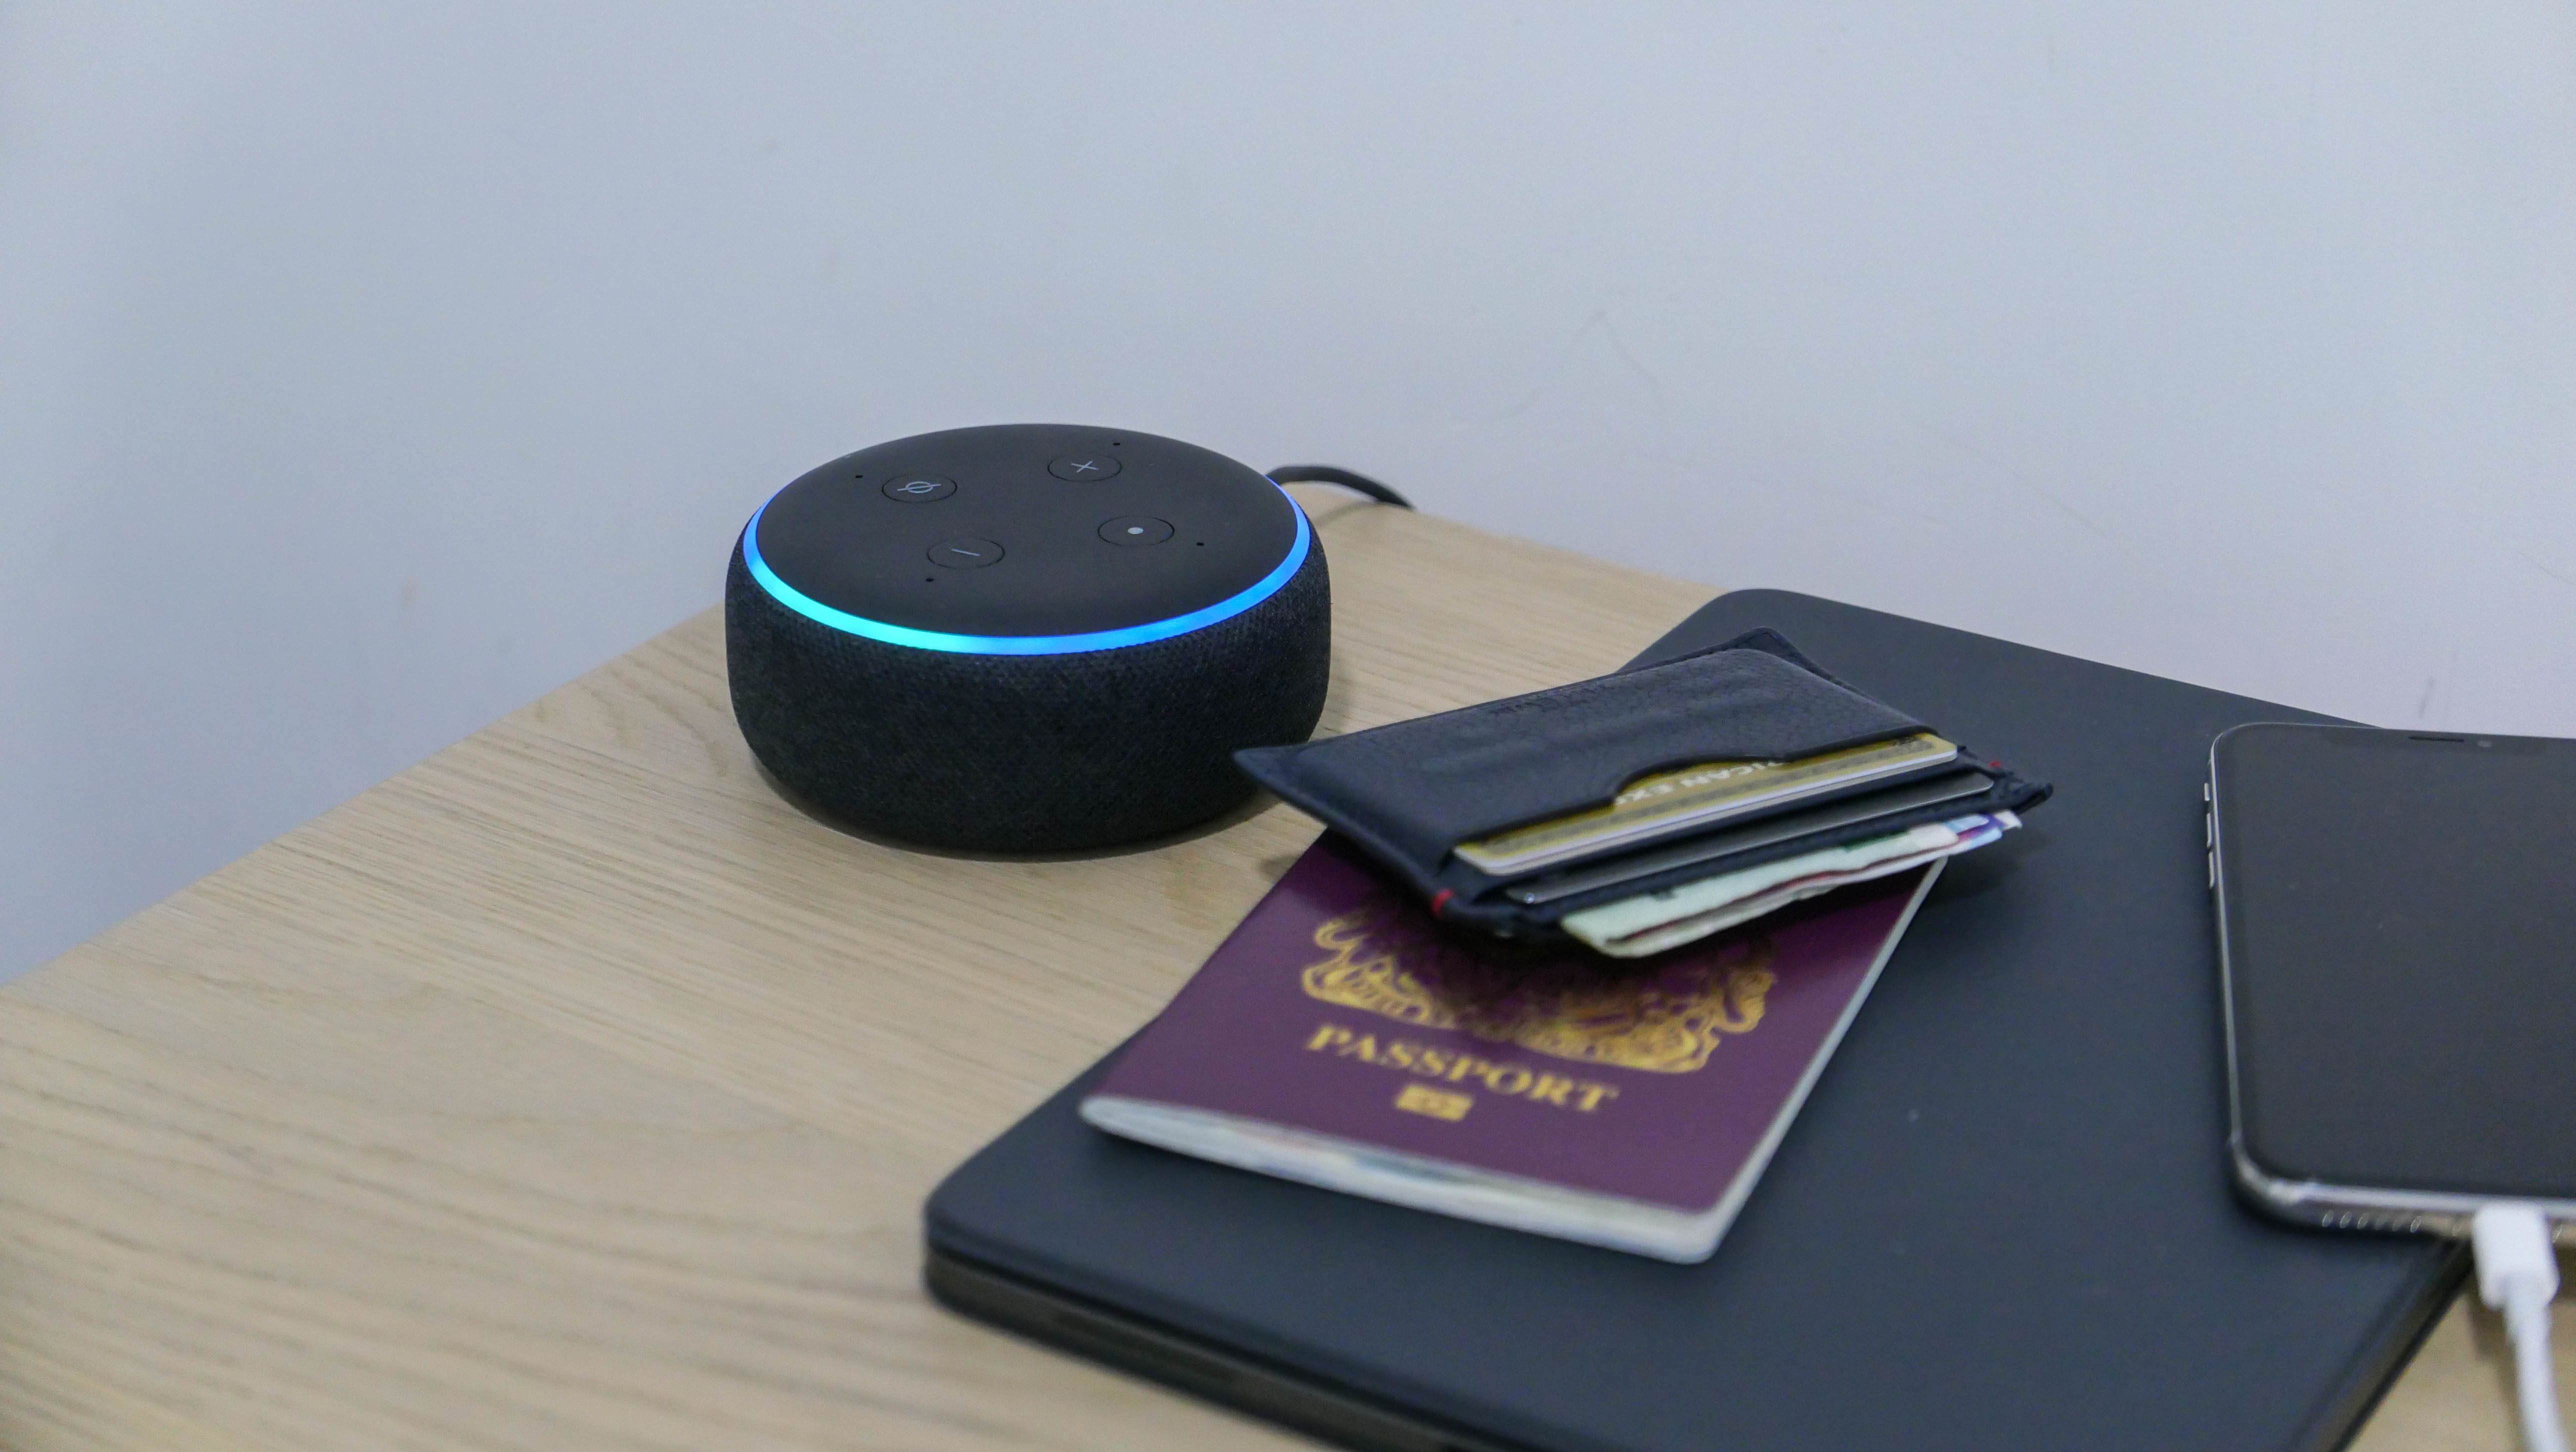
point(1025, 753)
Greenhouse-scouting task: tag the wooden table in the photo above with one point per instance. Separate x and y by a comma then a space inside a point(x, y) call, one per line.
point(571, 1090)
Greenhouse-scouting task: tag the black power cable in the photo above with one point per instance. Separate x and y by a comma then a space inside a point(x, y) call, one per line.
point(1327, 474)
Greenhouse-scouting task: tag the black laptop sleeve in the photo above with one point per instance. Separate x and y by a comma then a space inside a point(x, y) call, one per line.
point(2004, 1219)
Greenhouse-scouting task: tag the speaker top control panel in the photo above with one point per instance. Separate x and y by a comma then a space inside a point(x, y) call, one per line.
point(1028, 530)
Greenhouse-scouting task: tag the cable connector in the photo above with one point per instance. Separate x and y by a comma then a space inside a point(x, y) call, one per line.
point(2518, 1274)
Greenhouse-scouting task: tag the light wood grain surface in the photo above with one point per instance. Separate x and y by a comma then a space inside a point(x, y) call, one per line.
point(570, 1090)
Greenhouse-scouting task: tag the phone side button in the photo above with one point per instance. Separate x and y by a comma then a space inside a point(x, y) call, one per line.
point(2213, 871)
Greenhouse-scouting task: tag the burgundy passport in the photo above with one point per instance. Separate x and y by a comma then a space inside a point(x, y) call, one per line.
point(1343, 1038)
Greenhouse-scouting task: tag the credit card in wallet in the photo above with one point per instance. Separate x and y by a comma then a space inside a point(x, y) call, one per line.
point(1711, 846)
point(1694, 796)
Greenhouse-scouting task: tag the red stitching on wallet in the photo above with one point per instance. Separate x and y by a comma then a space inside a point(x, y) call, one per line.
point(1441, 898)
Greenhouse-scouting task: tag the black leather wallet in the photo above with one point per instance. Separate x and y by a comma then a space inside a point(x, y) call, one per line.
point(1410, 792)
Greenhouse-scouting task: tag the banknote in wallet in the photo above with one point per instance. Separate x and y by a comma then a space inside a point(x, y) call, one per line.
point(1655, 921)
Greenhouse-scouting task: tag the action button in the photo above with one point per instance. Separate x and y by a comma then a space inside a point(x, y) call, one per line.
point(919, 488)
point(965, 554)
point(1083, 467)
point(1135, 529)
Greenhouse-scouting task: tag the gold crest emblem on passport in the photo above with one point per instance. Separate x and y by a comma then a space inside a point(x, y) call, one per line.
point(1665, 1021)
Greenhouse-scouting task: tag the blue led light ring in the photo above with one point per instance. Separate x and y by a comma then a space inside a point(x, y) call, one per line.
point(815, 610)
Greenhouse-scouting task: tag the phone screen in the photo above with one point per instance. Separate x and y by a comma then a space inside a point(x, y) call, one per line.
point(2399, 922)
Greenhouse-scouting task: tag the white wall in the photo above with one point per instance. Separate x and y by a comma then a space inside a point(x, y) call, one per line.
point(364, 372)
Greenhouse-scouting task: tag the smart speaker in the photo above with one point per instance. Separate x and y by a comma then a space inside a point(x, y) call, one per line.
point(1025, 638)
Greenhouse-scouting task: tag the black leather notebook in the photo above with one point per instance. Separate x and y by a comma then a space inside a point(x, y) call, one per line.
point(2004, 1219)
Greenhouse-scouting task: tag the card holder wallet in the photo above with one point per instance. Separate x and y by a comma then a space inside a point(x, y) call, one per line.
point(1410, 792)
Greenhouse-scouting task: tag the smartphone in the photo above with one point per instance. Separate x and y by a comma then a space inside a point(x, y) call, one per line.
point(2397, 942)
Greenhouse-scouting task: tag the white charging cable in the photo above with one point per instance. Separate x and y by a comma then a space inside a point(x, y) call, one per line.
point(2518, 1274)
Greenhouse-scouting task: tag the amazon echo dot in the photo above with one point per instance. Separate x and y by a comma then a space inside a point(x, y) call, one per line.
point(1025, 638)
